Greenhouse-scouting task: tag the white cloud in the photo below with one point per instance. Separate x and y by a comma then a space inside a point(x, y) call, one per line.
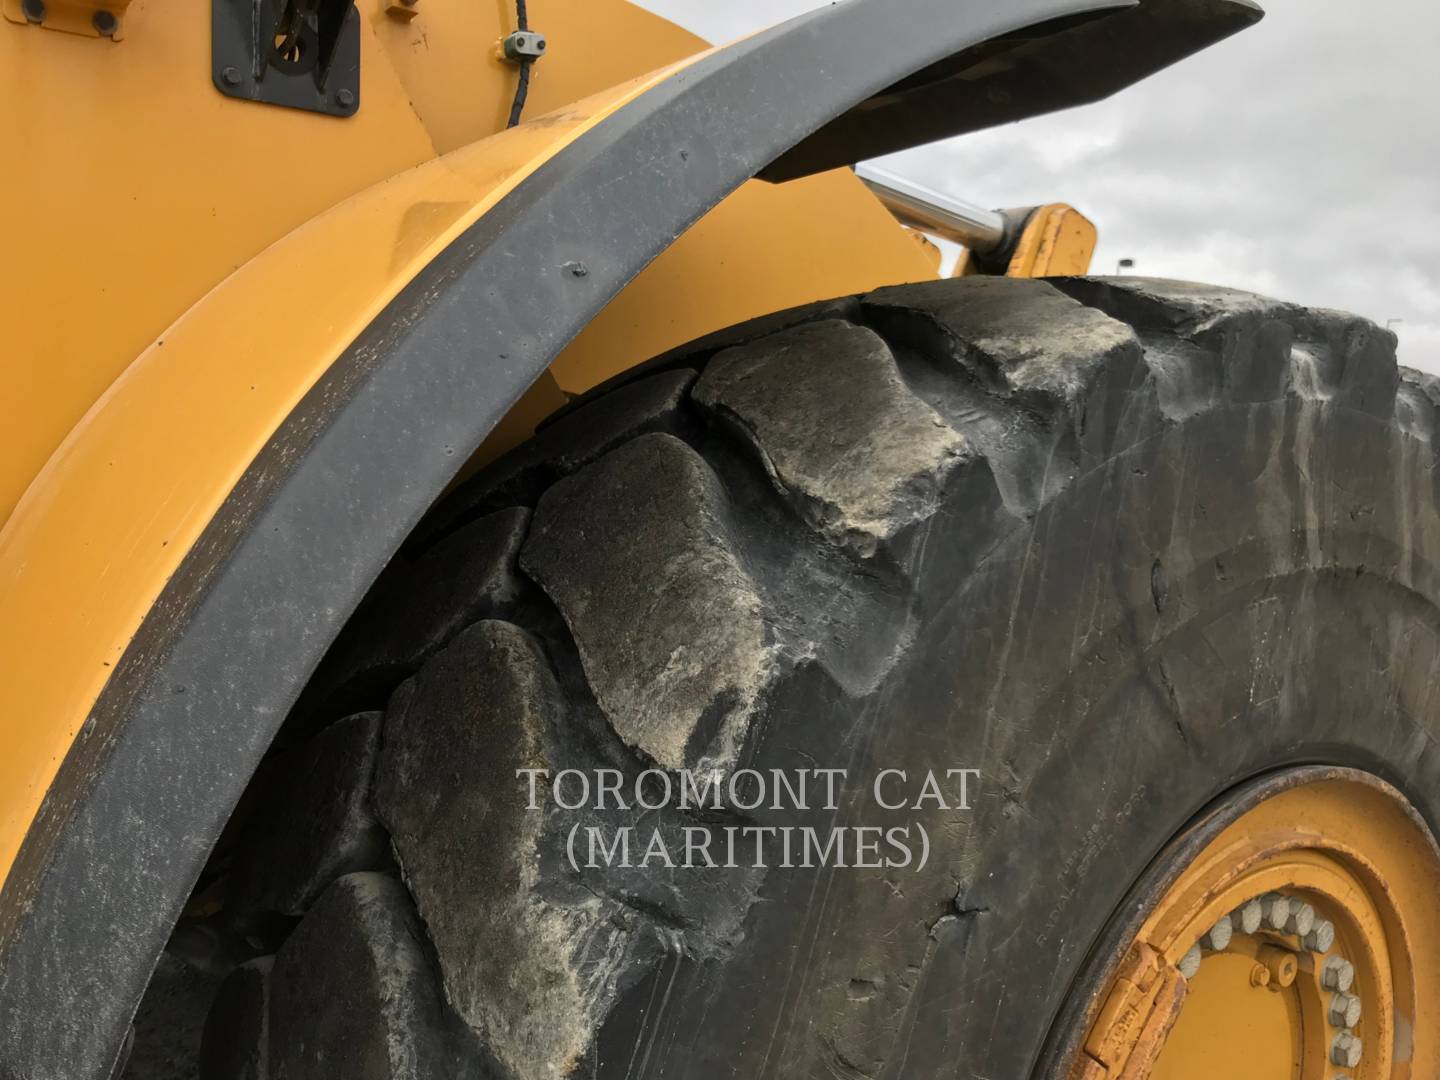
point(1297, 159)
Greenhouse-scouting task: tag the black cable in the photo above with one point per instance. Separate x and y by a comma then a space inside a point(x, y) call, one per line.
point(521, 88)
point(522, 22)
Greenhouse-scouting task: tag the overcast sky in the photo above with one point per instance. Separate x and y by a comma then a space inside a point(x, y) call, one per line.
point(1297, 159)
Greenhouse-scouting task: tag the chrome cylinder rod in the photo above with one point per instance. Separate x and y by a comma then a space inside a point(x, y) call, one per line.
point(913, 204)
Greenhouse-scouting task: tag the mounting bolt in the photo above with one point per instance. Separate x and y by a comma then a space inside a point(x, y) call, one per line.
point(1345, 1050)
point(33, 10)
point(105, 23)
point(1259, 975)
point(1301, 920)
point(1246, 918)
point(230, 76)
point(1344, 1010)
point(1217, 938)
point(1277, 910)
point(1337, 974)
point(345, 98)
point(1190, 963)
point(1320, 937)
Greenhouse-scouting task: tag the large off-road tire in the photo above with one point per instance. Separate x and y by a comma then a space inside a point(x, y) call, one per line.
point(1119, 546)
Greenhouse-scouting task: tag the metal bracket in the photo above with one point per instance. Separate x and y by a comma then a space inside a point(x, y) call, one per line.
point(301, 54)
point(523, 45)
point(91, 18)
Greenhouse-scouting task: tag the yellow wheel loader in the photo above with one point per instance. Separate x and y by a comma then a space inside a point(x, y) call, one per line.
point(517, 564)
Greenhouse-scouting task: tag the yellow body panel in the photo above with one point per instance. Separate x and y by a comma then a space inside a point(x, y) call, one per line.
point(195, 183)
point(130, 200)
point(766, 248)
point(225, 220)
point(100, 531)
point(448, 58)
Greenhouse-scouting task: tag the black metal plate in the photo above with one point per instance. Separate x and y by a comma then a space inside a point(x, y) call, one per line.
point(232, 63)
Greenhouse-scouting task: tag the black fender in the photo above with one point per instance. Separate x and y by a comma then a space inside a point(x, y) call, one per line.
point(137, 806)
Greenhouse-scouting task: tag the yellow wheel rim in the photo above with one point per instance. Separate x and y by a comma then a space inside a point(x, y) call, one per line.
point(1298, 937)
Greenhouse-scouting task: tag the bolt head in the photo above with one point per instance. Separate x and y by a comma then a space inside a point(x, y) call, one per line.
point(1301, 920)
point(105, 23)
point(1277, 910)
point(1344, 1010)
point(1337, 973)
point(345, 98)
point(1217, 938)
point(230, 76)
point(1246, 918)
point(1345, 1050)
point(1321, 936)
point(1190, 963)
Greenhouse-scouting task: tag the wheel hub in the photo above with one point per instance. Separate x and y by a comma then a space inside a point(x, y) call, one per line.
point(1292, 933)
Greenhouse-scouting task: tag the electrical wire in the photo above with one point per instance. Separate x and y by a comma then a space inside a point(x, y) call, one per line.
point(522, 22)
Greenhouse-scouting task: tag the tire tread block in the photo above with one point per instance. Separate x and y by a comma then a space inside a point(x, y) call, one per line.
point(837, 429)
point(529, 970)
point(312, 822)
point(352, 993)
point(637, 553)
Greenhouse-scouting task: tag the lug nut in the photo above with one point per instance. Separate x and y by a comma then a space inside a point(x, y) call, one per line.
point(1345, 1050)
point(1344, 1010)
point(1277, 910)
point(1217, 938)
point(1320, 937)
point(1337, 974)
point(1246, 918)
point(1190, 963)
point(1301, 920)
